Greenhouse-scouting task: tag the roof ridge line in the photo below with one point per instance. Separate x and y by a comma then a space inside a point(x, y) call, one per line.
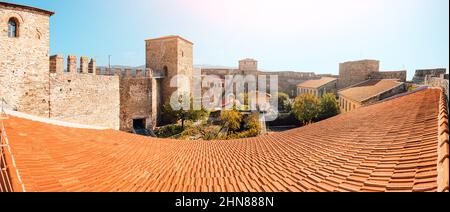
point(443, 146)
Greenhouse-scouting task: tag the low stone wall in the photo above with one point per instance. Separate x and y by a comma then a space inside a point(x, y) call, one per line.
point(400, 75)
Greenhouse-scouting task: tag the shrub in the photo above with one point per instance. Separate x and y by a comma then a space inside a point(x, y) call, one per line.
point(253, 125)
point(169, 131)
point(191, 133)
point(210, 132)
point(231, 119)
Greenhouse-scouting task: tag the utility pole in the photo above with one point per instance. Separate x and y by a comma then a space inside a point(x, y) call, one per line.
point(109, 59)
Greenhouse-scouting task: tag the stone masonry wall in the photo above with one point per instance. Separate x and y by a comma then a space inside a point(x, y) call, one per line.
point(419, 77)
point(400, 75)
point(24, 61)
point(287, 80)
point(85, 99)
point(354, 72)
point(248, 66)
point(135, 102)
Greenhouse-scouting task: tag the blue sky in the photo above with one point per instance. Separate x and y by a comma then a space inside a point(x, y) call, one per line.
point(298, 35)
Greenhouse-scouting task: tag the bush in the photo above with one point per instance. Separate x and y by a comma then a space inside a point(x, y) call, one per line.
point(329, 106)
point(306, 108)
point(169, 131)
point(210, 132)
point(191, 133)
point(231, 119)
point(253, 125)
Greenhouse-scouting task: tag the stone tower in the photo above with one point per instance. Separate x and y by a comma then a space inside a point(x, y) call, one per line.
point(24, 58)
point(172, 55)
point(354, 72)
point(248, 66)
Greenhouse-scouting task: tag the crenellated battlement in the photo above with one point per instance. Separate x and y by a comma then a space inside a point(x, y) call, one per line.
point(87, 66)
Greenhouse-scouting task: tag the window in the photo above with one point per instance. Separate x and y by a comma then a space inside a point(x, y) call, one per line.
point(166, 71)
point(13, 28)
point(345, 105)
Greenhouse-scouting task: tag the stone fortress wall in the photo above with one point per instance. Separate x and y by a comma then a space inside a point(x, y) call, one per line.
point(105, 97)
point(350, 73)
point(33, 82)
point(24, 59)
point(81, 95)
point(400, 75)
point(421, 74)
point(288, 80)
point(354, 72)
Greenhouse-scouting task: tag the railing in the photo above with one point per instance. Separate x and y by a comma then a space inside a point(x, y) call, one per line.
point(6, 184)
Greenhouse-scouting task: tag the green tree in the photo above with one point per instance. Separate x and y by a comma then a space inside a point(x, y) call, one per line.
point(169, 116)
point(231, 119)
point(172, 116)
point(306, 108)
point(329, 106)
point(284, 103)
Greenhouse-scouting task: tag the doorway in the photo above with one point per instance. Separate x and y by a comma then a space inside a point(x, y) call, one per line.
point(139, 124)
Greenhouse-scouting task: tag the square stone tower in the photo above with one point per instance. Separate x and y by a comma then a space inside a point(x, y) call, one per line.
point(248, 66)
point(24, 58)
point(354, 72)
point(173, 55)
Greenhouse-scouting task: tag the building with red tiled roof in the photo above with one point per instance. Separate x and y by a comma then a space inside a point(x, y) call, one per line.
point(397, 145)
point(318, 87)
point(369, 92)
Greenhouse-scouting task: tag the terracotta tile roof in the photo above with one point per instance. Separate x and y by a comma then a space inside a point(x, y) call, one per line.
point(391, 146)
point(316, 83)
point(369, 89)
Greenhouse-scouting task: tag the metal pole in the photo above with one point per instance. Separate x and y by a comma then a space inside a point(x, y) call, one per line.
point(109, 58)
